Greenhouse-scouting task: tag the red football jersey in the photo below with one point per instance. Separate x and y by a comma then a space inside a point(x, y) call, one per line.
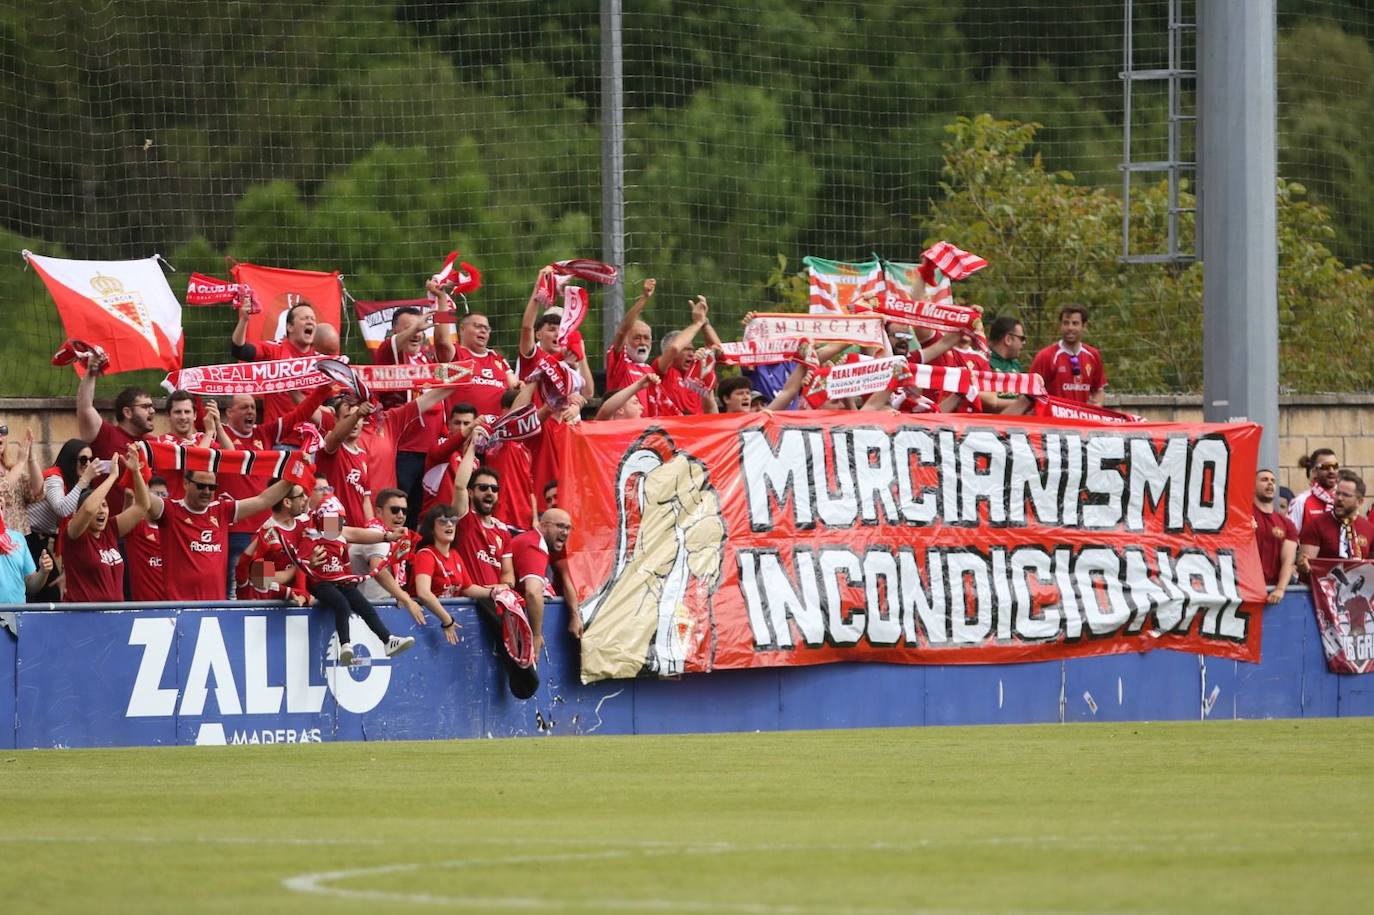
point(195, 549)
point(1072, 376)
point(236, 486)
point(622, 371)
point(1272, 531)
point(93, 565)
point(448, 575)
point(143, 546)
point(513, 503)
point(488, 382)
point(482, 547)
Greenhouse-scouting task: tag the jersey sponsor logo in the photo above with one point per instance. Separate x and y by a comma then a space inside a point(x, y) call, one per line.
point(110, 557)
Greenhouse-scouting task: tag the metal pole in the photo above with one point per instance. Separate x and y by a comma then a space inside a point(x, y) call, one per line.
point(1237, 112)
point(612, 163)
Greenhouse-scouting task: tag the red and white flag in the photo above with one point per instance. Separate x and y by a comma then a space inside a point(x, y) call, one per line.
point(952, 262)
point(374, 318)
point(278, 290)
point(124, 307)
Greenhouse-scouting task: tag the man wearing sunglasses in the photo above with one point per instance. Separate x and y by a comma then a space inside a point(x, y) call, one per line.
point(482, 540)
point(195, 534)
point(1323, 469)
point(388, 584)
point(1071, 368)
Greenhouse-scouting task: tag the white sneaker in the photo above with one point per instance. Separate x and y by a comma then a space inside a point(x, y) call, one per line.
point(345, 653)
point(397, 644)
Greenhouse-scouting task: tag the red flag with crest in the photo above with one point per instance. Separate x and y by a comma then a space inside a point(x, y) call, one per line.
point(278, 290)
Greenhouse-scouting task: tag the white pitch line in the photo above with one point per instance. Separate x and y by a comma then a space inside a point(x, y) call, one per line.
point(318, 883)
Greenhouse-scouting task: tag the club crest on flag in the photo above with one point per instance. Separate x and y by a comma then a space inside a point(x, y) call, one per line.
point(125, 305)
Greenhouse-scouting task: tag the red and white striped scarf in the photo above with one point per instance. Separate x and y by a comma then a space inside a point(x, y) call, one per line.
point(760, 352)
point(1325, 496)
point(953, 262)
point(165, 457)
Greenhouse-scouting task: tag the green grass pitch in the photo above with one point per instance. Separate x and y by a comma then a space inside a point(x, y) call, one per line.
point(1224, 816)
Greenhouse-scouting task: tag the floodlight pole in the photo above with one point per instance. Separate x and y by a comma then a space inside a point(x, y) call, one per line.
point(612, 163)
point(1237, 156)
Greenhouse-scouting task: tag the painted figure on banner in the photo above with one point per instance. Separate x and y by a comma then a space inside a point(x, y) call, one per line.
point(652, 614)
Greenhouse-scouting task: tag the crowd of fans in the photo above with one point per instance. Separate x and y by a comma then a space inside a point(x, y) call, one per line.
point(414, 498)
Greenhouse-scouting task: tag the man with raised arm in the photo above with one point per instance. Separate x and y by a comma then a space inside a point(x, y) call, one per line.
point(298, 342)
point(627, 357)
point(134, 411)
point(408, 345)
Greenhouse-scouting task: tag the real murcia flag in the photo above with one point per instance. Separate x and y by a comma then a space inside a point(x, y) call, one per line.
point(125, 307)
point(837, 287)
point(278, 290)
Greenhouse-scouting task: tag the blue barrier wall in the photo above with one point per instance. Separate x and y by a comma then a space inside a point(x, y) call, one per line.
point(146, 677)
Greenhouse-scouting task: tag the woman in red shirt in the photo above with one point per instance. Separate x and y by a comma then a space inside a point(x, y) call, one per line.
point(436, 571)
point(89, 543)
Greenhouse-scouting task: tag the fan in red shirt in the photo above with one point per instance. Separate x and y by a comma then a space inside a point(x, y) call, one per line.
point(1072, 369)
point(265, 571)
point(531, 560)
point(512, 462)
point(437, 571)
point(681, 393)
point(1275, 536)
point(329, 574)
point(134, 411)
point(359, 454)
point(181, 418)
point(541, 359)
point(143, 550)
point(195, 534)
point(491, 374)
point(1342, 533)
point(443, 459)
point(628, 356)
point(482, 539)
point(298, 343)
point(88, 543)
point(407, 345)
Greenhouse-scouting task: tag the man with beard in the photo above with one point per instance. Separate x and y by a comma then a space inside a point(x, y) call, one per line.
point(627, 358)
point(1322, 469)
point(1341, 533)
point(482, 540)
point(133, 410)
point(532, 555)
point(181, 417)
point(1071, 368)
point(1275, 536)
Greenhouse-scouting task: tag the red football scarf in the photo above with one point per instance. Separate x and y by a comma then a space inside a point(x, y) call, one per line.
point(860, 330)
point(1322, 495)
point(562, 271)
point(165, 457)
point(700, 378)
point(759, 352)
point(574, 310)
point(463, 276)
point(79, 351)
point(276, 376)
point(207, 290)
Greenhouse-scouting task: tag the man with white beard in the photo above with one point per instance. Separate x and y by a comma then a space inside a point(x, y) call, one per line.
point(628, 357)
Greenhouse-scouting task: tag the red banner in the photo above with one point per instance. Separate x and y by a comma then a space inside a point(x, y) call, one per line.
point(1343, 598)
point(277, 290)
point(807, 538)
